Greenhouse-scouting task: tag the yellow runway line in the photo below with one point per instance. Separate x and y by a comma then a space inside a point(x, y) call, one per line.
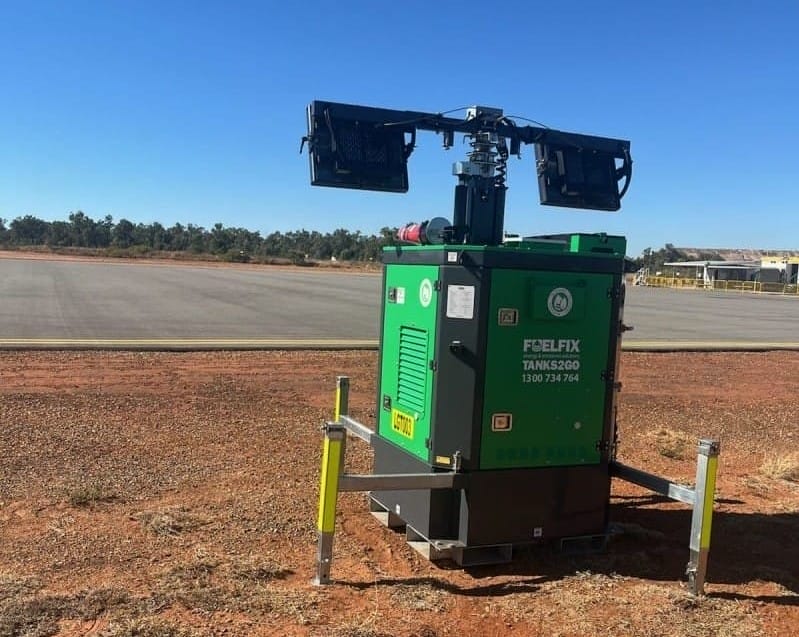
point(186, 343)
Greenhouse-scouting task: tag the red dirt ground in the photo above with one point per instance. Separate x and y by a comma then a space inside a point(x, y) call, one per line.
point(157, 494)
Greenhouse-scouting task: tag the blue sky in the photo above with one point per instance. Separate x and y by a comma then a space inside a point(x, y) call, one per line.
point(192, 111)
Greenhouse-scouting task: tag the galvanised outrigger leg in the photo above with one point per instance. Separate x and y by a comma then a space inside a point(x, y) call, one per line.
point(333, 451)
point(332, 461)
point(700, 498)
point(701, 521)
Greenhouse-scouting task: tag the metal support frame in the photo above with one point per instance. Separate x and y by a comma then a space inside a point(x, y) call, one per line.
point(700, 498)
point(357, 429)
point(659, 485)
point(402, 481)
point(487, 120)
point(333, 480)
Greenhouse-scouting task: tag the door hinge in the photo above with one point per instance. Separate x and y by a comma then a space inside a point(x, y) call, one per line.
point(437, 286)
point(433, 365)
point(614, 293)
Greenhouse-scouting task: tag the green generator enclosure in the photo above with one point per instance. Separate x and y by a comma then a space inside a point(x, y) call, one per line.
point(501, 362)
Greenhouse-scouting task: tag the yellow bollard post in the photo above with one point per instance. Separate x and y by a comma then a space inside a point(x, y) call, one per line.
point(332, 464)
point(702, 519)
point(333, 454)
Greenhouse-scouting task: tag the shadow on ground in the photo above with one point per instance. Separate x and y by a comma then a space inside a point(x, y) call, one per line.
point(745, 546)
point(651, 542)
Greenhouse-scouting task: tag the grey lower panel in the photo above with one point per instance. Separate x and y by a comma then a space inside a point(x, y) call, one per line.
point(432, 512)
point(524, 505)
point(511, 506)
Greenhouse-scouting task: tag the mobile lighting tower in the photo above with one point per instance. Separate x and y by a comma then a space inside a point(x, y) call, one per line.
point(498, 359)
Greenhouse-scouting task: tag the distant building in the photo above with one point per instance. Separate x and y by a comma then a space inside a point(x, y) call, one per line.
point(779, 269)
point(774, 269)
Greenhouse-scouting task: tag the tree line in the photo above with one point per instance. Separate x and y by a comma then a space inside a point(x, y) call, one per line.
point(125, 238)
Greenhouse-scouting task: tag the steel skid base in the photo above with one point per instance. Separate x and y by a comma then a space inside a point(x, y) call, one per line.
point(438, 550)
point(467, 556)
point(497, 508)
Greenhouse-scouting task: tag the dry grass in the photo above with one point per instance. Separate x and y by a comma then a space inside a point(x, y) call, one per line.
point(420, 597)
point(144, 628)
point(596, 604)
point(192, 586)
point(91, 493)
point(171, 521)
point(367, 627)
point(687, 616)
point(673, 444)
point(257, 569)
point(31, 615)
point(203, 585)
point(303, 607)
point(758, 484)
point(15, 586)
point(782, 467)
point(208, 585)
point(569, 601)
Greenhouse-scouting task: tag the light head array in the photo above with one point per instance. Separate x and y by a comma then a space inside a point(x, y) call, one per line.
point(368, 148)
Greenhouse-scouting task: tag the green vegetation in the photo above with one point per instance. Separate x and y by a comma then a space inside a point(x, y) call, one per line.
point(126, 239)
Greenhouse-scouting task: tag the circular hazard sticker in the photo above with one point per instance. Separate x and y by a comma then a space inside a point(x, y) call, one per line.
point(559, 302)
point(425, 292)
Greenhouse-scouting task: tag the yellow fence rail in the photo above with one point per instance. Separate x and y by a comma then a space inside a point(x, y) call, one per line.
point(726, 286)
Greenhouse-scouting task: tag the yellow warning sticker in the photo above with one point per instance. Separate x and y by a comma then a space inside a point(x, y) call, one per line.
point(402, 423)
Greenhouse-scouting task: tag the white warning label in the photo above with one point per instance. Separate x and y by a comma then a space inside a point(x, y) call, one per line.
point(460, 301)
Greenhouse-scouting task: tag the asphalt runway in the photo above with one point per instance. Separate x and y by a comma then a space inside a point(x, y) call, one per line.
point(85, 300)
point(660, 314)
point(48, 302)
